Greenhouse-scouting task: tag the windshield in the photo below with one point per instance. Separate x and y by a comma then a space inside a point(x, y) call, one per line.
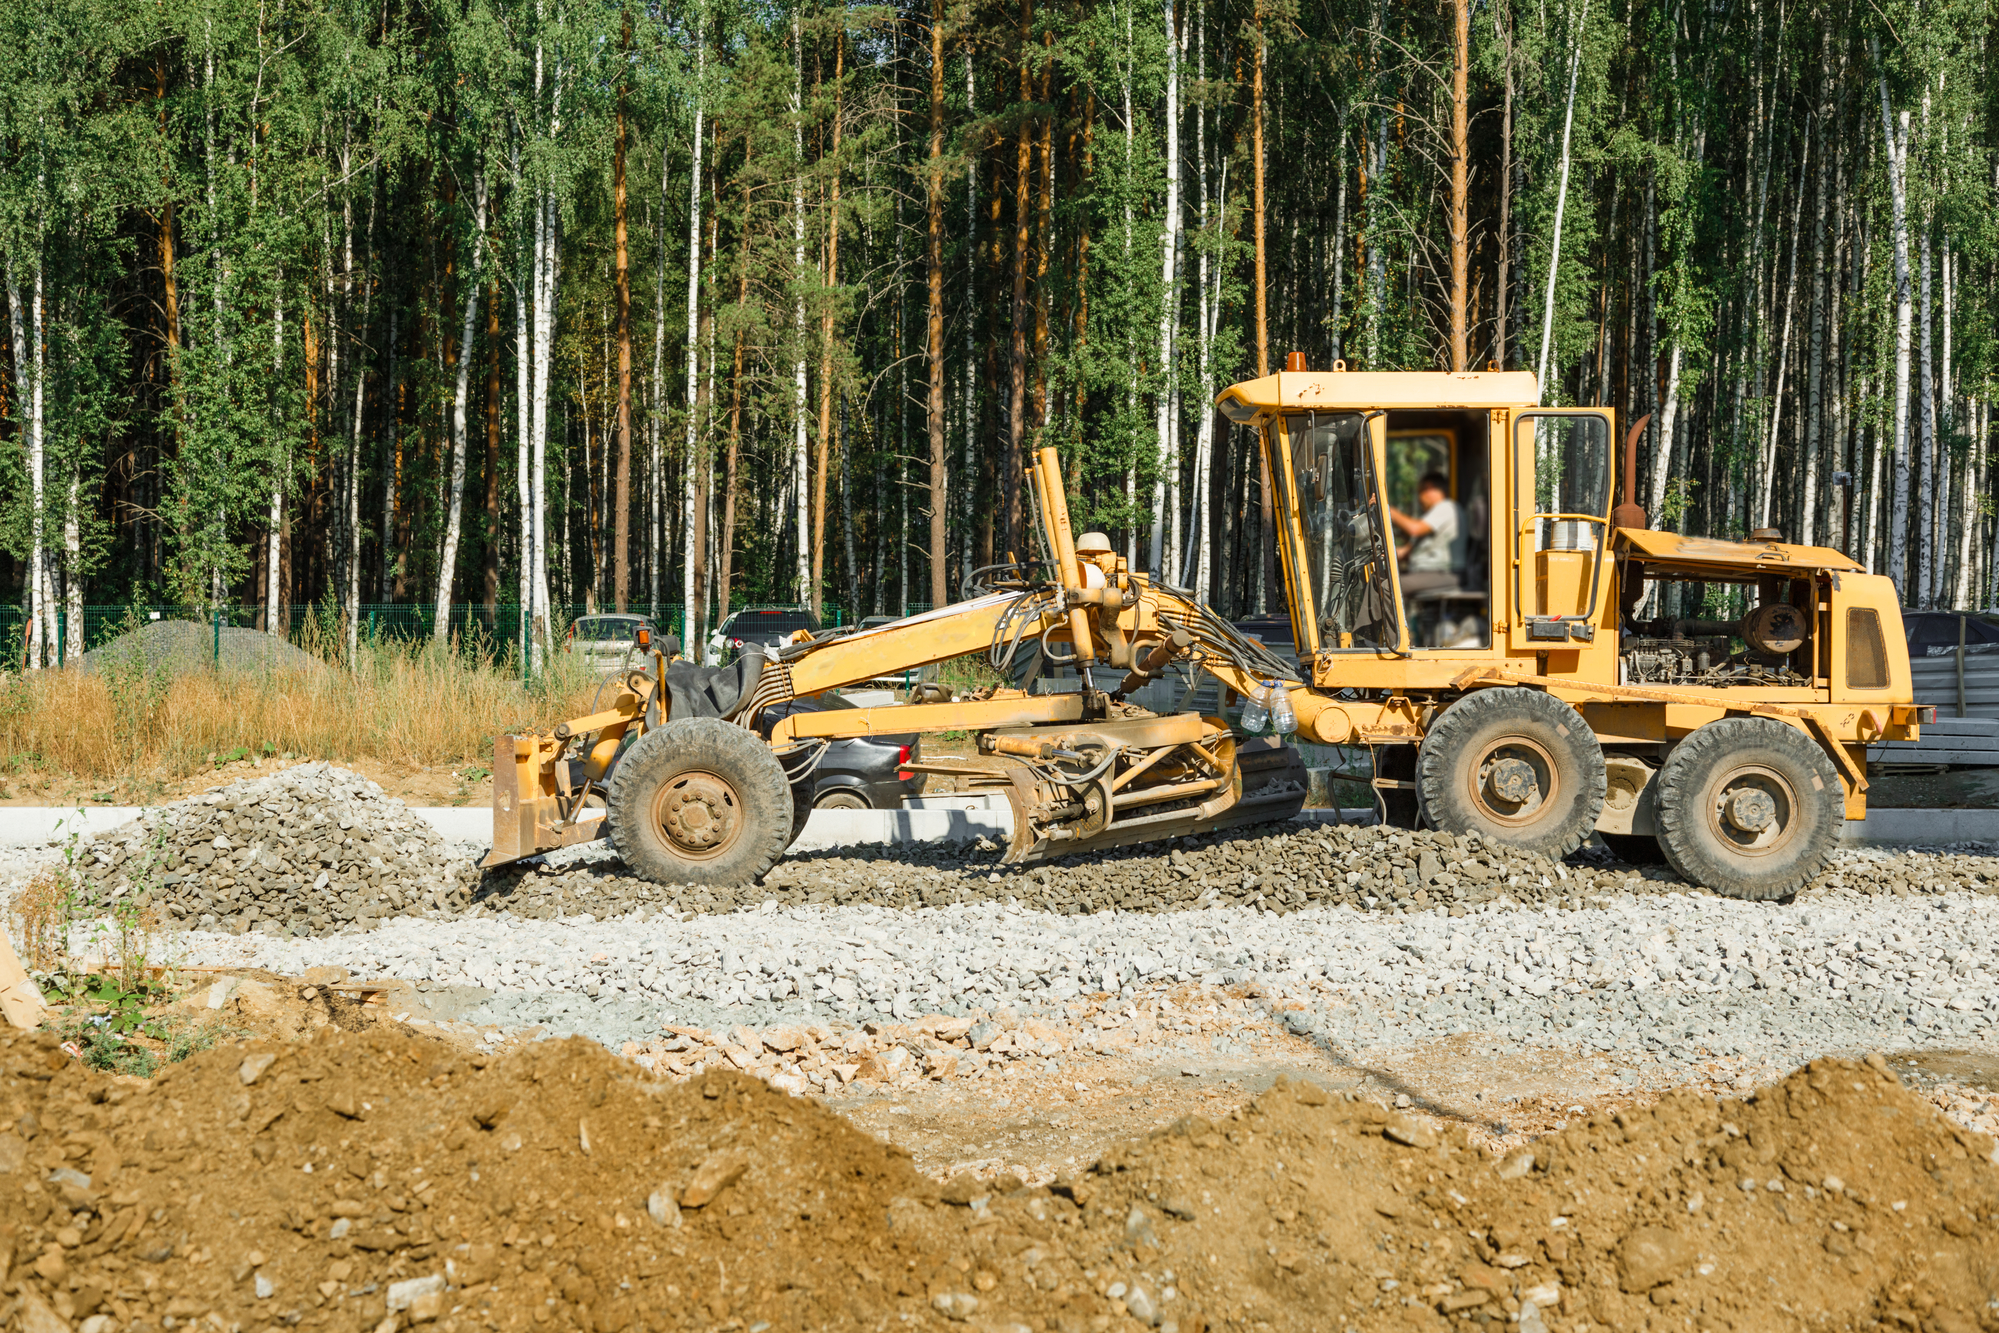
point(1571, 476)
point(1331, 478)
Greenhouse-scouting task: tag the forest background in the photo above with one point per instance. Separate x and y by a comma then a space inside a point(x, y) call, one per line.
point(503, 310)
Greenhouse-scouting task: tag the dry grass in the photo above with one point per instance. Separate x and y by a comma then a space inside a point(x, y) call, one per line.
point(416, 705)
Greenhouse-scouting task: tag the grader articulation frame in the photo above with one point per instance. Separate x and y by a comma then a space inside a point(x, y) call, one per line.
point(1568, 675)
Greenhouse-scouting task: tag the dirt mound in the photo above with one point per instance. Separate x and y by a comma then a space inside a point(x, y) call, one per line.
point(308, 850)
point(176, 647)
point(331, 1183)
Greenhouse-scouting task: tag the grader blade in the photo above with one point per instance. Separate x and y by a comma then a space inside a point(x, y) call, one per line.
point(1264, 780)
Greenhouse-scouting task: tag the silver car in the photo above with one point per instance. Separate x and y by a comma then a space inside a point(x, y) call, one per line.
point(609, 642)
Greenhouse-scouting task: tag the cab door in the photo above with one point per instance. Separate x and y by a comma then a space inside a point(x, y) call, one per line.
point(1559, 533)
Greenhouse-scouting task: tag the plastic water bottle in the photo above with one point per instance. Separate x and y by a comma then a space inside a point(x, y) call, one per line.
point(1255, 716)
point(1283, 718)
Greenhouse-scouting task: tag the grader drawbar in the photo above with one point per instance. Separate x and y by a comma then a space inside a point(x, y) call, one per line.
point(699, 774)
point(1522, 661)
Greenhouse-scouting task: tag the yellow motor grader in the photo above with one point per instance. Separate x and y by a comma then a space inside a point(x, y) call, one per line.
point(1554, 668)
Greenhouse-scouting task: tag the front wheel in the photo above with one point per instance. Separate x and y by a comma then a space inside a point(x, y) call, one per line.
point(699, 801)
point(1515, 766)
point(1748, 807)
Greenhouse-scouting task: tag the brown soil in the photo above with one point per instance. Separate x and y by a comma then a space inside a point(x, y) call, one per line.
point(523, 1185)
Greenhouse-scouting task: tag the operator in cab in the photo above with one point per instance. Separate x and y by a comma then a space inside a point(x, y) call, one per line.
point(1425, 555)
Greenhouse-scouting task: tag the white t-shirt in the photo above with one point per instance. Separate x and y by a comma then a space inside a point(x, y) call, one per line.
point(1432, 551)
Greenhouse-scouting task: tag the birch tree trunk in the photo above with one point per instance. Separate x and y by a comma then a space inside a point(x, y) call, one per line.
point(691, 615)
point(1561, 204)
point(28, 379)
point(940, 559)
point(1820, 280)
point(1898, 160)
point(353, 596)
point(280, 467)
point(1784, 342)
point(71, 643)
point(800, 456)
point(1016, 388)
point(526, 285)
point(1924, 454)
point(1164, 507)
point(461, 389)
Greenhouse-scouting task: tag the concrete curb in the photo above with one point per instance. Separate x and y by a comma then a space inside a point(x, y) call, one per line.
point(937, 821)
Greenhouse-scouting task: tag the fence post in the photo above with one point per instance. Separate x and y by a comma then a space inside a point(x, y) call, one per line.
point(62, 638)
point(216, 617)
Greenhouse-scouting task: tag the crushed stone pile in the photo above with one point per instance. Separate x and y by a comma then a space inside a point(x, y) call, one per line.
point(357, 1178)
point(1275, 868)
point(177, 647)
point(312, 849)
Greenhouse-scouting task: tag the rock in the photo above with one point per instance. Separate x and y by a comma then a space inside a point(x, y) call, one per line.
point(1408, 1133)
point(1141, 1305)
point(1650, 1256)
point(427, 1308)
point(885, 1066)
point(1138, 1228)
point(962, 1188)
point(1175, 1206)
point(406, 1291)
point(718, 1170)
point(37, 1316)
point(662, 1208)
point(1516, 1166)
point(958, 1305)
point(253, 1066)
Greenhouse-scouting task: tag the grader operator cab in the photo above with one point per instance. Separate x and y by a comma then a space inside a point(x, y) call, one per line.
point(1565, 669)
point(1521, 661)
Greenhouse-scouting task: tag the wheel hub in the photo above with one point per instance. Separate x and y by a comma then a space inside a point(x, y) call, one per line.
point(1750, 809)
point(1511, 780)
point(700, 813)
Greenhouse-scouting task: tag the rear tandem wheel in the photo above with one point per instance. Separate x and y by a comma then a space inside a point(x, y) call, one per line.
point(1748, 807)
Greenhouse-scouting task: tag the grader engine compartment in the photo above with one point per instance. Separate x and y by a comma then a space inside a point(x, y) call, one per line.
point(1769, 645)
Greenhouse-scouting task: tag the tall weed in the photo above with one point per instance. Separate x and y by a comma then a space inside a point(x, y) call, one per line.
point(414, 704)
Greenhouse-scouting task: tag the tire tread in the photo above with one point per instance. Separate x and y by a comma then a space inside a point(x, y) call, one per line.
point(720, 747)
point(1682, 835)
point(1454, 729)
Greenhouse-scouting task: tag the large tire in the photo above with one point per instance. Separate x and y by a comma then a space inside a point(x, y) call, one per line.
point(1748, 807)
point(699, 801)
point(1517, 767)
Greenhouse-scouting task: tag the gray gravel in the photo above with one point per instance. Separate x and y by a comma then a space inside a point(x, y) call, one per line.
point(312, 849)
point(1361, 938)
point(1674, 978)
point(176, 647)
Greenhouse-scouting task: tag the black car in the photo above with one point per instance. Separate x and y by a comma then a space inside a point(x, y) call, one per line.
point(770, 626)
point(863, 773)
point(1935, 633)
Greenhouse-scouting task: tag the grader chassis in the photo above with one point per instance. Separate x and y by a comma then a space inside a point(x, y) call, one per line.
point(1573, 680)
